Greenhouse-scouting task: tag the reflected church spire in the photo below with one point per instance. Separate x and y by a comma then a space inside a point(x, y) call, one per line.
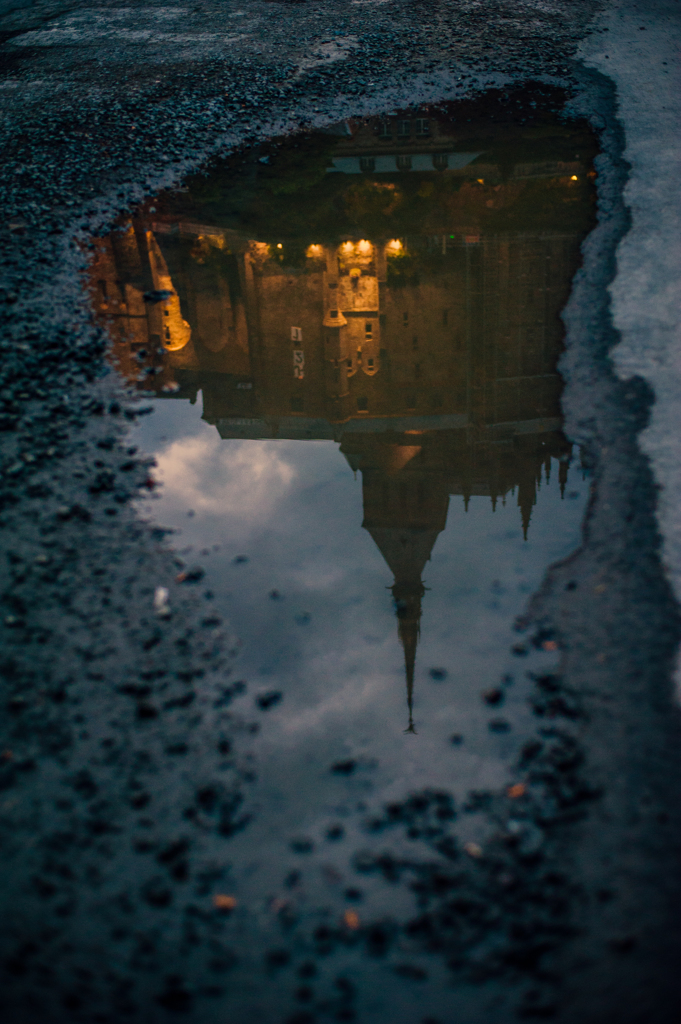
point(407, 597)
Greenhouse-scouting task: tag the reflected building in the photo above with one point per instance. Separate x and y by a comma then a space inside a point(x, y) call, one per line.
point(429, 358)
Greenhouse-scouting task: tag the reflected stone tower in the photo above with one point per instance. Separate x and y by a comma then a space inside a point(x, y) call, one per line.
point(405, 508)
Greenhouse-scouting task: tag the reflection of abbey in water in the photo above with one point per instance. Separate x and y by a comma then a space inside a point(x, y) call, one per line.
point(431, 360)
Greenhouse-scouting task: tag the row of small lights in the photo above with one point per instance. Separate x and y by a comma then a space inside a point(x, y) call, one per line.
point(363, 247)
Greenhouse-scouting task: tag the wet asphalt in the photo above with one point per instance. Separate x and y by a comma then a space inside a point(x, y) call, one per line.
point(121, 786)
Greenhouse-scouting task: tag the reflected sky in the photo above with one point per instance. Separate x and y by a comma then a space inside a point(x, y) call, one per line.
point(351, 343)
point(284, 516)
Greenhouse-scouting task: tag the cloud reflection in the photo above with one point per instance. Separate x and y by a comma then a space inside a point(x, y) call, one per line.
point(243, 479)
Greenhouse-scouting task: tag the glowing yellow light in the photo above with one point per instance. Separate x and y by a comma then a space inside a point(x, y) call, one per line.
point(279, 245)
point(364, 246)
point(574, 178)
point(394, 244)
point(347, 247)
point(314, 250)
point(480, 181)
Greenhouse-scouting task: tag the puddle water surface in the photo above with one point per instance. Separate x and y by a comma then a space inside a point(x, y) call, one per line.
point(351, 341)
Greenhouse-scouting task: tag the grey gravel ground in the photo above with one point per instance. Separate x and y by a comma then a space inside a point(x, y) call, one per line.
point(109, 842)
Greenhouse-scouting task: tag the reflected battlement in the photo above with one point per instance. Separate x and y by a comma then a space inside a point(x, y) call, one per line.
point(410, 312)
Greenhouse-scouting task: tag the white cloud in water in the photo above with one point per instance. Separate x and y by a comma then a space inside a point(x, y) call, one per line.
point(244, 479)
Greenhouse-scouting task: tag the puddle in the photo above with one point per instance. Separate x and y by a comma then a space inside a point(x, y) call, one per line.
point(350, 340)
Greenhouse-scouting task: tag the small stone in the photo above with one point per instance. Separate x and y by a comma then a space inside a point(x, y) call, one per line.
point(302, 845)
point(265, 701)
point(223, 902)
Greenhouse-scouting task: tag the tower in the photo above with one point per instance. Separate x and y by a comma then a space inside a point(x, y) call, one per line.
point(405, 509)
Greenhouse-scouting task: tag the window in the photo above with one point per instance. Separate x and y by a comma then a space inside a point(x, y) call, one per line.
point(368, 329)
point(405, 319)
point(384, 130)
point(415, 343)
point(362, 405)
point(370, 364)
point(296, 403)
point(404, 163)
point(367, 164)
point(404, 129)
point(440, 161)
point(422, 126)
